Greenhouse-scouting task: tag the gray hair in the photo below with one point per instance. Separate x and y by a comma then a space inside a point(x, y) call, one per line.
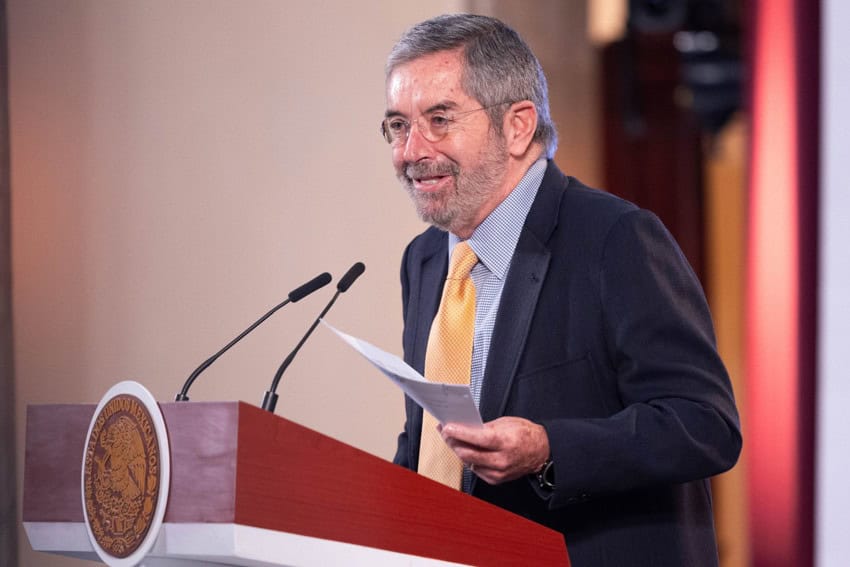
point(498, 66)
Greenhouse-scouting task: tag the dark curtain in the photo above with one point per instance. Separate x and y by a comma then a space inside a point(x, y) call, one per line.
point(8, 513)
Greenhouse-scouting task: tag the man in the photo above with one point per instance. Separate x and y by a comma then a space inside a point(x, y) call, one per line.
point(592, 355)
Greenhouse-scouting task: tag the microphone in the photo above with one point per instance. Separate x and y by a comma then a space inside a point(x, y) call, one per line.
point(296, 294)
point(354, 272)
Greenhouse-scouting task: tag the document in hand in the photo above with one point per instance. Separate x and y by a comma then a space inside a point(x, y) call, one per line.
point(446, 402)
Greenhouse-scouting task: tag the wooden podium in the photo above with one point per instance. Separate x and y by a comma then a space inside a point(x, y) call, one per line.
point(251, 488)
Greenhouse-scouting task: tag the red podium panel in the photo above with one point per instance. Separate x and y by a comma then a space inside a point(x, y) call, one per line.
point(252, 488)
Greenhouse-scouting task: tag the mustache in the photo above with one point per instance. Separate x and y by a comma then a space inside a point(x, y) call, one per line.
point(430, 169)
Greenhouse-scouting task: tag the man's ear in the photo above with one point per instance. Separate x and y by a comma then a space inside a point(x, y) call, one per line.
point(519, 125)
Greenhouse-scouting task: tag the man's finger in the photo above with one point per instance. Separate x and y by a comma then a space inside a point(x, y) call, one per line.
point(485, 438)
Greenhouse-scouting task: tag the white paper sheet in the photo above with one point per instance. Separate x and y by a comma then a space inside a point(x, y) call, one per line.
point(446, 402)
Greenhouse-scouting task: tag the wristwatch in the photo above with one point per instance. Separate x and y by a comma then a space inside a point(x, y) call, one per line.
point(546, 475)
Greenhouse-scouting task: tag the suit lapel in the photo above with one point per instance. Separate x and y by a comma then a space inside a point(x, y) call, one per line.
point(519, 297)
point(435, 265)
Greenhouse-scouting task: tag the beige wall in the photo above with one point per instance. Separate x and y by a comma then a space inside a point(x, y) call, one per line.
point(179, 167)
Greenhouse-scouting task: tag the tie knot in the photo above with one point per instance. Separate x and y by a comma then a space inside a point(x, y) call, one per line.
point(463, 259)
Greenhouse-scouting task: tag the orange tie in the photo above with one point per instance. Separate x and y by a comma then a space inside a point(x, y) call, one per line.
point(449, 360)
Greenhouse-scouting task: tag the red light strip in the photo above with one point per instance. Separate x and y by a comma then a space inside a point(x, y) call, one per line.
point(773, 302)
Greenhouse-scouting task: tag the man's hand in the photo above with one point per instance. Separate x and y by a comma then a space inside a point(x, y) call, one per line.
point(504, 449)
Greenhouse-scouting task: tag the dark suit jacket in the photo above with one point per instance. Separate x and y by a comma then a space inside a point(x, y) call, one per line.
point(604, 337)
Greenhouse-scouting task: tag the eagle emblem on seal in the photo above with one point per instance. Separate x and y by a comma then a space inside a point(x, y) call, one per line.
point(121, 475)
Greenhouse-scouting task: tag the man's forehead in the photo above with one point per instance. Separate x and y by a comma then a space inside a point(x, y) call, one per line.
point(427, 82)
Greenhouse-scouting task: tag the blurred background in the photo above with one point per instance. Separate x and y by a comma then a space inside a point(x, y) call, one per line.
point(171, 170)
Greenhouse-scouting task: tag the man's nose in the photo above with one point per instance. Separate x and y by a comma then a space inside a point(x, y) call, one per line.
point(417, 146)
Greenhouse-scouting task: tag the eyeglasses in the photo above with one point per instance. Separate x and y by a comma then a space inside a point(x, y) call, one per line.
point(433, 126)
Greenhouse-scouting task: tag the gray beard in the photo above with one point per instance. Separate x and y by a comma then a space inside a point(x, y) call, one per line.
point(457, 210)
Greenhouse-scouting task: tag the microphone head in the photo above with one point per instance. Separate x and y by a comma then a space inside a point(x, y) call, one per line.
point(352, 274)
point(319, 281)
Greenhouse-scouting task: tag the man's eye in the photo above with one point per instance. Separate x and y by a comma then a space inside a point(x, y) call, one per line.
point(397, 125)
point(439, 121)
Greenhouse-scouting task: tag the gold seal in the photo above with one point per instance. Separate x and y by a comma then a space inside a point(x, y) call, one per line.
point(121, 475)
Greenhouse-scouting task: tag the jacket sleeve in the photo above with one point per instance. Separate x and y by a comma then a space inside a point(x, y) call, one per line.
point(678, 420)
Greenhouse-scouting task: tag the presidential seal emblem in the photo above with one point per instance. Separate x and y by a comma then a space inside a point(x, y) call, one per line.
point(125, 475)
